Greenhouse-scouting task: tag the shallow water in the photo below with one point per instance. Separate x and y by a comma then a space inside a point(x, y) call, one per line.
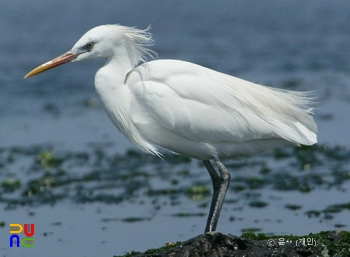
point(91, 195)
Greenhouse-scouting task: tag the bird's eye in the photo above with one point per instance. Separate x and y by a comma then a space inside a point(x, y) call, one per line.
point(90, 45)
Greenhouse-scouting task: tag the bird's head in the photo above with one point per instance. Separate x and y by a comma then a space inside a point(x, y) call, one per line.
point(106, 41)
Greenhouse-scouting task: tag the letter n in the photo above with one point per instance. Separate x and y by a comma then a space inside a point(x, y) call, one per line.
point(11, 240)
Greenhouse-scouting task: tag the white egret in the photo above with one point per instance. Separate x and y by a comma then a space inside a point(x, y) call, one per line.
point(186, 108)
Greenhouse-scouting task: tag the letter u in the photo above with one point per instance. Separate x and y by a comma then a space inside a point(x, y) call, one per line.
point(32, 231)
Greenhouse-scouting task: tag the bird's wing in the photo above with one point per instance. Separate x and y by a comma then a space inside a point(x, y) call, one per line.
point(207, 106)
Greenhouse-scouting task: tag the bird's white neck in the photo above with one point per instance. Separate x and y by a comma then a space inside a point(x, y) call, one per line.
point(109, 83)
point(114, 94)
point(116, 70)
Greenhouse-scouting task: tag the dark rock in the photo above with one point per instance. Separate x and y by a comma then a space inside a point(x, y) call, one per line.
point(216, 244)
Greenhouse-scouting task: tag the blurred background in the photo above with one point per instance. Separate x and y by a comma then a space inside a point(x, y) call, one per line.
point(66, 168)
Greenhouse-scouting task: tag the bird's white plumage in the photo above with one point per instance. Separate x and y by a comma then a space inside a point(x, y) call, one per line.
point(187, 108)
point(220, 114)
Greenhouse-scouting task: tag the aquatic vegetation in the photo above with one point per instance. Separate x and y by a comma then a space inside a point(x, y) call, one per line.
point(40, 174)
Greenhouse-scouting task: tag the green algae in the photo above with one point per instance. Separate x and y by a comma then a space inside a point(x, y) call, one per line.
point(10, 185)
point(258, 204)
point(292, 207)
point(198, 192)
point(47, 159)
point(153, 251)
point(337, 244)
point(42, 174)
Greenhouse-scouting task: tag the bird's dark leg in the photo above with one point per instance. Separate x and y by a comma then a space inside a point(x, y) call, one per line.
point(220, 186)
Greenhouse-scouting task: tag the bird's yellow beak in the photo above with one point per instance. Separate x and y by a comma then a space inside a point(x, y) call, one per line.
point(62, 59)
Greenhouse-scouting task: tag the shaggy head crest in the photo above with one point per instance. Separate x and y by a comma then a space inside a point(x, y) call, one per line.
point(140, 39)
